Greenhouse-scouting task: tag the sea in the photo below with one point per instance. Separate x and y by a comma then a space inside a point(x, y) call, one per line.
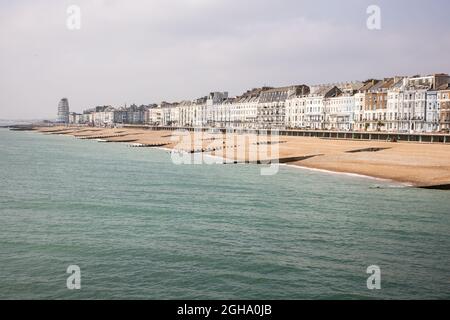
point(139, 226)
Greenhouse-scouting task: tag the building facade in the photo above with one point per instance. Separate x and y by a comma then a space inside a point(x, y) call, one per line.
point(63, 111)
point(443, 97)
point(397, 104)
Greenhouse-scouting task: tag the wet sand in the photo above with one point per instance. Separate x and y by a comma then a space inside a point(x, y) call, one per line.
point(418, 164)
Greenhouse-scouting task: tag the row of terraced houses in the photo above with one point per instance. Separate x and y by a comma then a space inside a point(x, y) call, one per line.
point(397, 104)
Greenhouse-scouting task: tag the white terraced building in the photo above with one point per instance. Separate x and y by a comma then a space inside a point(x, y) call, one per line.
point(413, 106)
point(398, 104)
point(244, 110)
point(295, 112)
point(314, 117)
point(215, 113)
point(271, 107)
point(104, 117)
point(223, 113)
point(200, 112)
point(326, 107)
point(432, 111)
point(153, 116)
point(185, 114)
point(413, 102)
point(339, 112)
point(393, 106)
point(358, 111)
point(169, 114)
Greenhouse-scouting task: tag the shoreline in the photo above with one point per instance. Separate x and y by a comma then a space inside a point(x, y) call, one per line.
point(350, 174)
point(409, 165)
point(296, 166)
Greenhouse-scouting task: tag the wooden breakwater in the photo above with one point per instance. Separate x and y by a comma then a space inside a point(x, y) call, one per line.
point(443, 187)
point(274, 161)
point(147, 145)
point(101, 137)
point(24, 127)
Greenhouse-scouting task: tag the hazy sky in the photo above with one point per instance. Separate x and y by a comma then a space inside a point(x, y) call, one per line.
point(145, 51)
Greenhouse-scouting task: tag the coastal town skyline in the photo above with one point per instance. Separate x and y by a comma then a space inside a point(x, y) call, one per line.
point(152, 51)
point(396, 104)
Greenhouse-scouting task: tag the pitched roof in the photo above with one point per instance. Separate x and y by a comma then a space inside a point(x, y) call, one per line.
point(445, 86)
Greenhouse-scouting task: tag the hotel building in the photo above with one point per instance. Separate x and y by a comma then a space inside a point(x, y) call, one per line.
point(397, 104)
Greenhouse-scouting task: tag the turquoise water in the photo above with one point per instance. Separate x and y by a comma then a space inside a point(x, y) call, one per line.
point(140, 227)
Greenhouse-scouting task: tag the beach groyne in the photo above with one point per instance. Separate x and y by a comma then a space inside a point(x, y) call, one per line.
point(418, 163)
point(20, 127)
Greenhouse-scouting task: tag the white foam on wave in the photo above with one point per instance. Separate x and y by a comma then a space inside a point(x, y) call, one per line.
point(356, 175)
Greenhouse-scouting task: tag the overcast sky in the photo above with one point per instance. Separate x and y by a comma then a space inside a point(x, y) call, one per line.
point(146, 51)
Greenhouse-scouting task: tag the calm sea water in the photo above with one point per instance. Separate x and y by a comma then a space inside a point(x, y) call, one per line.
point(140, 227)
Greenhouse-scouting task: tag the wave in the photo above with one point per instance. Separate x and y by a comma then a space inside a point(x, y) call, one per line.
point(356, 175)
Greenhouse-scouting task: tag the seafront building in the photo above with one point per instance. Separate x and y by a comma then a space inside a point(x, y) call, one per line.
point(397, 104)
point(316, 102)
point(443, 96)
point(63, 111)
point(244, 109)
